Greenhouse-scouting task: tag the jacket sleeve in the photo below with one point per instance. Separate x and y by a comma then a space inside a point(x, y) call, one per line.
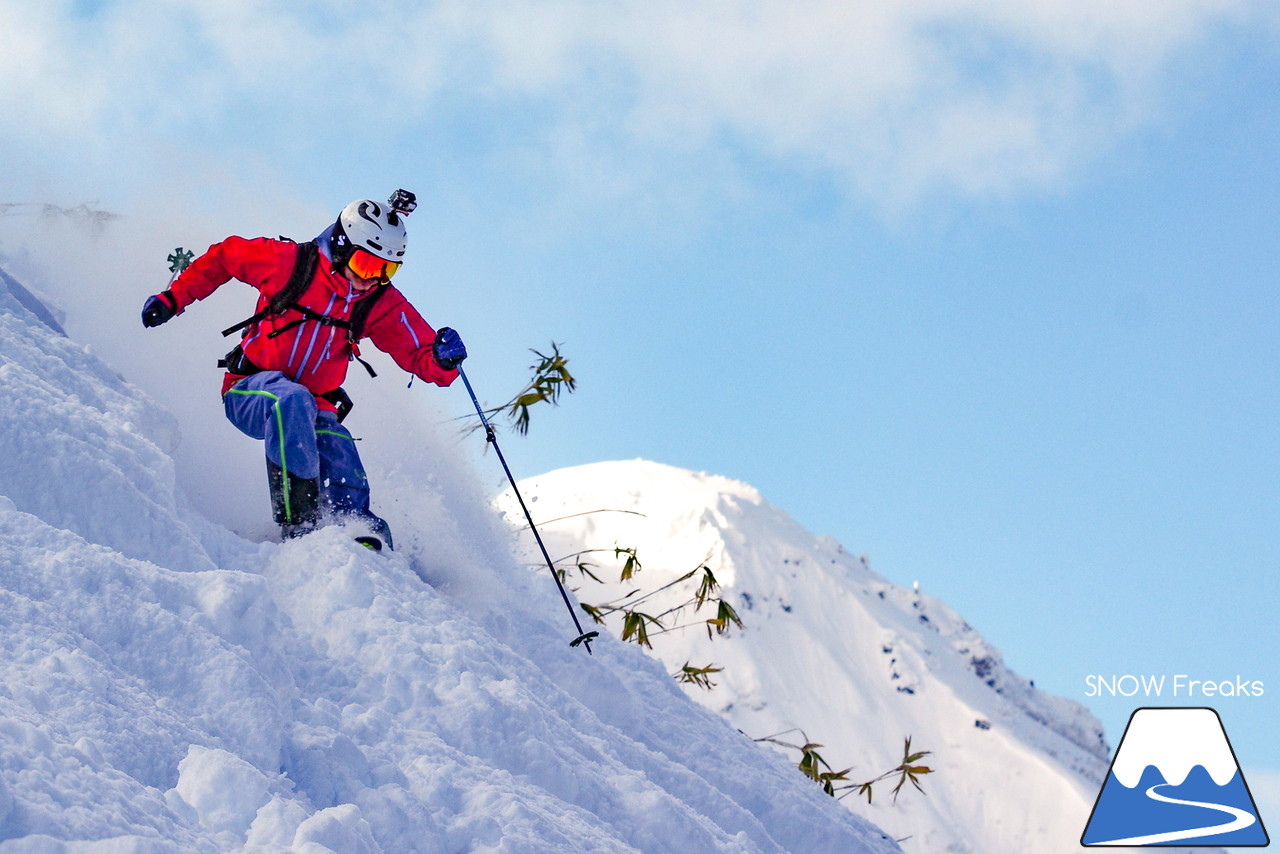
point(395, 327)
point(264, 263)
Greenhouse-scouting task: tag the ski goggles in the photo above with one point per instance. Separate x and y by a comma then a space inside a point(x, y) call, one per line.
point(366, 265)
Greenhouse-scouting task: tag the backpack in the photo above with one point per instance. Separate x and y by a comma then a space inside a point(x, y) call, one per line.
point(304, 268)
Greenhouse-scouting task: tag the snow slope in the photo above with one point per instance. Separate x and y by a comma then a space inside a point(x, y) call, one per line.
point(167, 686)
point(831, 652)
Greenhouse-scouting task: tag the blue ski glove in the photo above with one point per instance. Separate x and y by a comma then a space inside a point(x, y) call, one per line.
point(157, 310)
point(448, 349)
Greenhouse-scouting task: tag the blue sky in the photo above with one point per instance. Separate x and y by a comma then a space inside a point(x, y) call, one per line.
point(985, 290)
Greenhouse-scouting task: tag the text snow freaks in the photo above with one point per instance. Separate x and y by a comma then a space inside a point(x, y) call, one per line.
point(1178, 686)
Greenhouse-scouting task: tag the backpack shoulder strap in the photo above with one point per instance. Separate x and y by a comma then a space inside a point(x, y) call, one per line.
point(360, 313)
point(304, 268)
point(355, 328)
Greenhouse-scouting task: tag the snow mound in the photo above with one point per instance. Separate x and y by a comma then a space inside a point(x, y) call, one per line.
point(166, 686)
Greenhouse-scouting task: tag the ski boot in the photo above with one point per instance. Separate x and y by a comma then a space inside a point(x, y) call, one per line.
point(295, 501)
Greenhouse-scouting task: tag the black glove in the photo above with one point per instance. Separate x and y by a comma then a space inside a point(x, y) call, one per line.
point(448, 349)
point(158, 309)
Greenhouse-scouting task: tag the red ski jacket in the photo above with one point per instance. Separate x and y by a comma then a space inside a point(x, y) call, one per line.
point(311, 353)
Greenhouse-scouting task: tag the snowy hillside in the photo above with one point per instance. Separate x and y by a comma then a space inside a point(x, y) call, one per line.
point(167, 686)
point(831, 648)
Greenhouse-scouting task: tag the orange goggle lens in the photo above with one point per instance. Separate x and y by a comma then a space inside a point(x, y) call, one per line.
point(366, 265)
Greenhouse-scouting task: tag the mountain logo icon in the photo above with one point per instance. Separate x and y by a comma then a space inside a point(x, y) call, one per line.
point(1175, 781)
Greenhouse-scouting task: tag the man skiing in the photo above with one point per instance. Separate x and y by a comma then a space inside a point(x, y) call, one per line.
point(283, 383)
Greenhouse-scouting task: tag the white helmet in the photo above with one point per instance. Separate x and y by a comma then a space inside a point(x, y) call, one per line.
point(374, 226)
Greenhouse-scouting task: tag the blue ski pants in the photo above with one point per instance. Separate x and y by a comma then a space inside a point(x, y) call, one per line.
point(301, 440)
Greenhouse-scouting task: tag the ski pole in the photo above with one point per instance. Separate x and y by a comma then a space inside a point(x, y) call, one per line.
point(583, 638)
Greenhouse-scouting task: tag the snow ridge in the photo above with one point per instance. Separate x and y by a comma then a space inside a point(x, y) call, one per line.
point(834, 653)
point(167, 686)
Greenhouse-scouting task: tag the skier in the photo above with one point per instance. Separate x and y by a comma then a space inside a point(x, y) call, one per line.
point(283, 381)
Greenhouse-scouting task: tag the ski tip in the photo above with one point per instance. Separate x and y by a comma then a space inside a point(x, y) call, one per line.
point(373, 544)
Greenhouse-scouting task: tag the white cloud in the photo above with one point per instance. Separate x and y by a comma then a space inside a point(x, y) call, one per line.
point(896, 100)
